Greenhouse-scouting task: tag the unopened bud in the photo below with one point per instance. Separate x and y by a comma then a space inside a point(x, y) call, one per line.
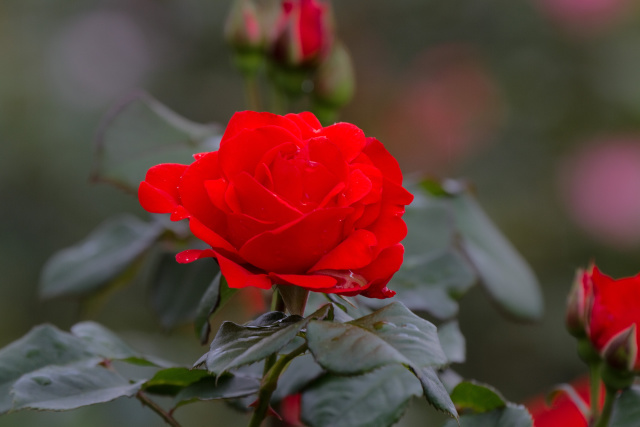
point(580, 298)
point(621, 352)
point(244, 33)
point(334, 82)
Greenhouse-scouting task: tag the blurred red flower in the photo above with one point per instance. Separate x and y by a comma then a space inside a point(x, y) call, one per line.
point(303, 34)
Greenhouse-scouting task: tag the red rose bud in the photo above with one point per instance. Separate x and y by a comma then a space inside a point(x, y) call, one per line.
point(243, 32)
point(580, 298)
point(288, 202)
point(613, 318)
point(242, 28)
point(334, 82)
point(303, 34)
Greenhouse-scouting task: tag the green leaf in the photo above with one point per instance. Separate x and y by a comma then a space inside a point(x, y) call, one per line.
point(236, 345)
point(171, 381)
point(434, 274)
point(392, 334)
point(176, 290)
point(141, 133)
point(104, 343)
point(510, 416)
point(216, 296)
point(376, 399)
point(470, 395)
point(433, 282)
point(626, 409)
point(452, 341)
point(301, 371)
point(435, 392)
point(61, 388)
point(225, 387)
point(93, 263)
point(503, 272)
point(43, 346)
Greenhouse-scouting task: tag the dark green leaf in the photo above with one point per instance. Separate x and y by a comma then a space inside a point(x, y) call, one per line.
point(435, 392)
point(225, 387)
point(452, 341)
point(104, 343)
point(376, 399)
point(390, 335)
point(300, 372)
point(140, 133)
point(626, 409)
point(506, 276)
point(477, 397)
point(93, 263)
point(171, 381)
point(510, 416)
point(216, 295)
point(43, 346)
point(61, 388)
point(236, 345)
point(177, 289)
point(434, 274)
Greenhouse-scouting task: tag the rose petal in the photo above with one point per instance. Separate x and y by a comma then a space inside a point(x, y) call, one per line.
point(191, 255)
point(239, 277)
point(311, 282)
point(247, 120)
point(155, 200)
point(325, 152)
point(243, 152)
point(380, 271)
point(193, 194)
point(309, 127)
point(256, 201)
point(166, 177)
point(210, 237)
point(356, 251)
point(216, 189)
point(349, 138)
point(395, 194)
point(383, 160)
point(389, 227)
point(295, 247)
point(359, 186)
point(241, 228)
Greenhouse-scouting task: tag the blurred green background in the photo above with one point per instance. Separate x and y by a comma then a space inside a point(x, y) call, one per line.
point(536, 102)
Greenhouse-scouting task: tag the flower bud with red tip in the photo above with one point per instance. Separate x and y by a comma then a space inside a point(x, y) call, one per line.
point(613, 320)
point(304, 33)
point(580, 298)
point(244, 33)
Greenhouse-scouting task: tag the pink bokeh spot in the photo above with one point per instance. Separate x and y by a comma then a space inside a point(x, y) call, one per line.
point(585, 16)
point(601, 190)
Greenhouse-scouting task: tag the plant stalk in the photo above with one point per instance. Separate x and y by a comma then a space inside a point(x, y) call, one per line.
point(269, 384)
point(167, 417)
point(609, 398)
point(252, 91)
point(594, 381)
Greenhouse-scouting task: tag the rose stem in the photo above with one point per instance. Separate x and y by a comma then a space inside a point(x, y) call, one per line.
point(269, 384)
point(594, 380)
point(252, 91)
point(609, 398)
point(157, 409)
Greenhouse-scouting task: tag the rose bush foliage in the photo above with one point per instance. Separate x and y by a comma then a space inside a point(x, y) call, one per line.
point(286, 201)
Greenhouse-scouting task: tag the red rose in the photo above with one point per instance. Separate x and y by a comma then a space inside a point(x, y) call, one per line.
point(563, 412)
point(614, 319)
point(304, 32)
point(286, 201)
